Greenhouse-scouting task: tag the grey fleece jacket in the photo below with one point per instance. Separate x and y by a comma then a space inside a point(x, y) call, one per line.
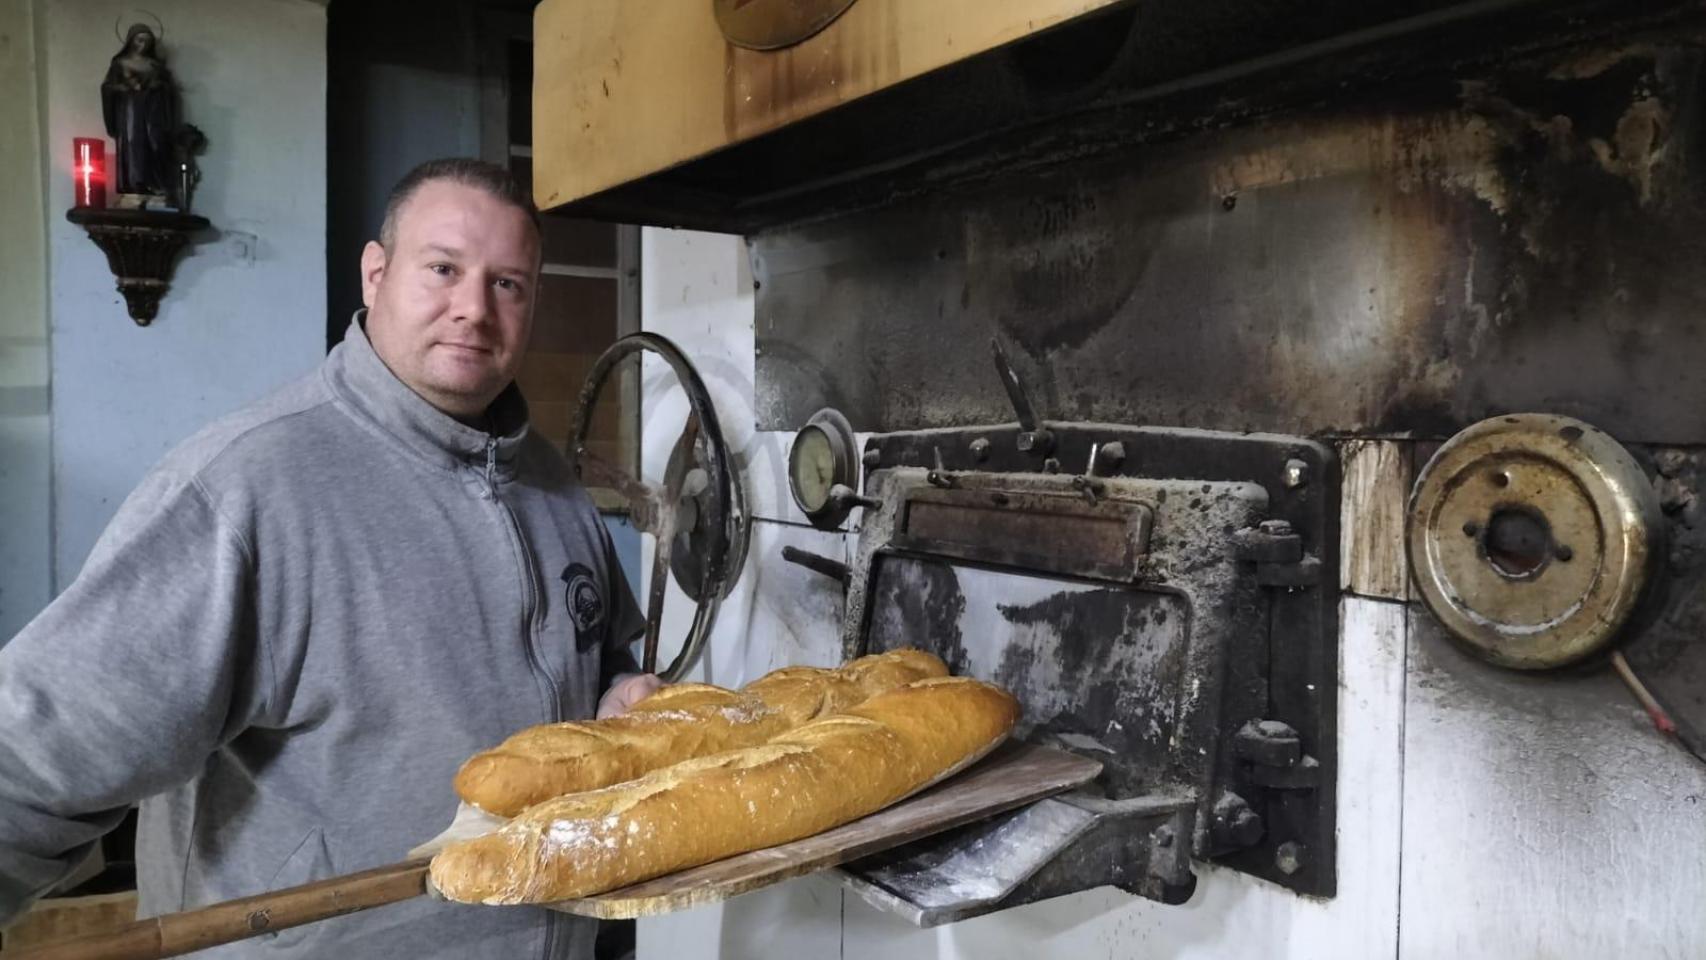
point(286, 642)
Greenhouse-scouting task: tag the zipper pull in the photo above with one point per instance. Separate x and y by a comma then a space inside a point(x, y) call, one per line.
point(491, 465)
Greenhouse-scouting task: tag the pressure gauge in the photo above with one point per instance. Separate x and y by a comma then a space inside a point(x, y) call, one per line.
point(824, 456)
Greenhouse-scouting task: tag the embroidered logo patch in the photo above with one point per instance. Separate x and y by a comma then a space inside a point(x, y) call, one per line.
point(583, 602)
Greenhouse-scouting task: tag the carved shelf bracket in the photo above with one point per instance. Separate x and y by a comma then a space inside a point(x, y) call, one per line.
point(142, 248)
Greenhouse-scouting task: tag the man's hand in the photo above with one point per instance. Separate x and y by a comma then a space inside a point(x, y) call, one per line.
point(625, 691)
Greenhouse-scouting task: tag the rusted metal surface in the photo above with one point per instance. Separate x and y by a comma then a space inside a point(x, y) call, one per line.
point(1521, 238)
point(1533, 538)
point(1063, 532)
point(1150, 652)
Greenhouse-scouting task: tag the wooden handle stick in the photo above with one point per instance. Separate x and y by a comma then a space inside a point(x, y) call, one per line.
point(180, 933)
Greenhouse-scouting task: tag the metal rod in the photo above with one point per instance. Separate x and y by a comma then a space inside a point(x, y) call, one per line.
point(1660, 718)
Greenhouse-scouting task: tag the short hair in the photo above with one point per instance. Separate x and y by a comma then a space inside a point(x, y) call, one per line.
point(467, 171)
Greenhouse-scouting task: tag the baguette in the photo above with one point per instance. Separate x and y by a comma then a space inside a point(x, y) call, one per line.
point(821, 775)
point(676, 723)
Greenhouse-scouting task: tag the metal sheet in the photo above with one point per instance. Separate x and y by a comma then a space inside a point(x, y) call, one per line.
point(1527, 240)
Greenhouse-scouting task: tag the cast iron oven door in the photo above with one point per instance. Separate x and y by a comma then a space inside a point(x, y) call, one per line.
point(1157, 599)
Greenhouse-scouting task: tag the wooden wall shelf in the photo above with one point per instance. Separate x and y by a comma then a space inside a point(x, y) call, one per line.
point(142, 248)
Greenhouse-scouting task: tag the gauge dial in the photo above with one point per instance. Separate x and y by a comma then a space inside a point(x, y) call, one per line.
point(811, 468)
point(823, 455)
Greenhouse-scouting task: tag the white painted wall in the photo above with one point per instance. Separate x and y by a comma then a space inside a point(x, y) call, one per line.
point(696, 289)
point(241, 318)
point(26, 563)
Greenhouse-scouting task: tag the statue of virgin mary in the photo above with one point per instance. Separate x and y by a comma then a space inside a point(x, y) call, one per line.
point(139, 102)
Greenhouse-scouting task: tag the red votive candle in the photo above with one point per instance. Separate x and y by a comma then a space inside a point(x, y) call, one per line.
point(89, 171)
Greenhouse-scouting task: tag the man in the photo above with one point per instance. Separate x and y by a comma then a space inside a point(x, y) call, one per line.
point(310, 613)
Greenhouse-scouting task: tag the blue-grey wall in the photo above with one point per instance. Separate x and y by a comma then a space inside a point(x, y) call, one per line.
point(245, 312)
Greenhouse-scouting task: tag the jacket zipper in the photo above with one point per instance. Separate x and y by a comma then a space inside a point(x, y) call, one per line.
point(530, 581)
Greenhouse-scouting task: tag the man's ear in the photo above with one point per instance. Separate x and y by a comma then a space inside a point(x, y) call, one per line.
point(372, 270)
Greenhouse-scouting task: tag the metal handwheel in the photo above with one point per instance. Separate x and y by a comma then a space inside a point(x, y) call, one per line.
point(698, 514)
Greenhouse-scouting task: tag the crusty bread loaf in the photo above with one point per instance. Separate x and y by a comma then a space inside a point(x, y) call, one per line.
point(821, 775)
point(677, 723)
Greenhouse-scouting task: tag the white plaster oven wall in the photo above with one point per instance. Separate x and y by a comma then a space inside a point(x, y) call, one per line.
point(1480, 813)
point(696, 289)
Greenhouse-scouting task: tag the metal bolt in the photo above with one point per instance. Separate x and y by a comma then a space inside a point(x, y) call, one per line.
point(1276, 729)
point(980, 449)
point(1163, 836)
point(1051, 465)
point(1229, 201)
point(872, 457)
point(1564, 552)
point(1234, 824)
point(1288, 857)
point(1275, 528)
point(1112, 456)
point(1039, 441)
point(1296, 474)
point(1670, 462)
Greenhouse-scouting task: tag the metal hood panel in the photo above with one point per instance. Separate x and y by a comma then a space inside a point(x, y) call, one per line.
point(643, 117)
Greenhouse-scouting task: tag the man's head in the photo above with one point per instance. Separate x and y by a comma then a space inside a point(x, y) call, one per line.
point(450, 284)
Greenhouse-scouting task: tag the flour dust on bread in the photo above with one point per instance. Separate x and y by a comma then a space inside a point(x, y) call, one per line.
point(826, 773)
point(679, 722)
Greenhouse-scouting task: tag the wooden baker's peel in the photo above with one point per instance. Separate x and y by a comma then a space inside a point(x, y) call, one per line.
point(1014, 775)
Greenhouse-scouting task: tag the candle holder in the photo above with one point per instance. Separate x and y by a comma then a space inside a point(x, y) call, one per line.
point(89, 172)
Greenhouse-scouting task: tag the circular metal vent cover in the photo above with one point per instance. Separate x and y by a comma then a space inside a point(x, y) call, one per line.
point(773, 24)
point(1532, 537)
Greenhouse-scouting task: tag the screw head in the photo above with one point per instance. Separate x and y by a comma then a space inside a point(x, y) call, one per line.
point(1275, 528)
point(1288, 857)
point(980, 449)
point(1296, 474)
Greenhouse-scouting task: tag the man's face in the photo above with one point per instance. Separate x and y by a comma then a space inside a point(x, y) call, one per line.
point(450, 307)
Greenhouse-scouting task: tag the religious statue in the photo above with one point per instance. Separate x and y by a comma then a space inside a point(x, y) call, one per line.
point(139, 102)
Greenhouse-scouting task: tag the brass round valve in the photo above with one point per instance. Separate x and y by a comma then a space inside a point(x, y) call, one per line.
point(1532, 538)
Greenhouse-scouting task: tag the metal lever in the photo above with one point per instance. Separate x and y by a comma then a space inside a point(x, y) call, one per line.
point(1034, 438)
point(939, 475)
point(818, 563)
point(842, 495)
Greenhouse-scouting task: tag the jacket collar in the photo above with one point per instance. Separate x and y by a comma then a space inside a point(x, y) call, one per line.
point(368, 388)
